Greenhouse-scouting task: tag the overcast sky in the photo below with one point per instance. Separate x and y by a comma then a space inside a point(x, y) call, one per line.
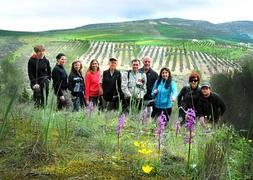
point(40, 15)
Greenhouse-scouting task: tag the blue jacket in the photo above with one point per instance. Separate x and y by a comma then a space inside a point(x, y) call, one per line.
point(163, 99)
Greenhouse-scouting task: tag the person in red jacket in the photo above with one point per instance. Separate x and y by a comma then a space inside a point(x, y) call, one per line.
point(92, 83)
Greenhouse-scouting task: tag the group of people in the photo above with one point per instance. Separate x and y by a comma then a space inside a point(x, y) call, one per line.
point(208, 105)
point(137, 87)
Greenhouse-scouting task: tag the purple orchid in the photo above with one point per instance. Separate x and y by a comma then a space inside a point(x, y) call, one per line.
point(121, 124)
point(161, 122)
point(144, 116)
point(190, 119)
point(190, 125)
point(91, 107)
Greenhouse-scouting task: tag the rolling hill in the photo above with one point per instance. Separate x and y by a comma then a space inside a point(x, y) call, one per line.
point(164, 28)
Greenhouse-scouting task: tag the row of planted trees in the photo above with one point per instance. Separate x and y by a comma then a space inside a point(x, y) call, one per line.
point(179, 60)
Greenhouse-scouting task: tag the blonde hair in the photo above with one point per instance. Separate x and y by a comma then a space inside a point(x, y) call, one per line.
point(39, 48)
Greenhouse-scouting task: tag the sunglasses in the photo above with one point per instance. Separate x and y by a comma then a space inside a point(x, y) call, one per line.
point(194, 80)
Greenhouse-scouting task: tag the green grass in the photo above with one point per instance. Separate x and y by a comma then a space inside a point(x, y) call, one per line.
point(80, 145)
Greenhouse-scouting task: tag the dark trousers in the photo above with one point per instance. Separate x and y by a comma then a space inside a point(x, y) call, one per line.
point(133, 103)
point(97, 101)
point(60, 104)
point(40, 95)
point(78, 101)
point(111, 105)
point(181, 114)
point(67, 103)
point(157, 112)
point(94, 100)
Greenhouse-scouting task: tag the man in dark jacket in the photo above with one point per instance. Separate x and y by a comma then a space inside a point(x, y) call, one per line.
point(39, 72)
point(152, 76)
point(111, 84)
point(210, 105)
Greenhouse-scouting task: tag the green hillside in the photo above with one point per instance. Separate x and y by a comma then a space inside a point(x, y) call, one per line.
point(164, 29)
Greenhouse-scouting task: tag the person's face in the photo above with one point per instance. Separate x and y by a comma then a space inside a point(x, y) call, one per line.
point(205, 91)
point(165, 74)
point(113, 65)
point(146, 63)
point(40, 54)
point(62, 60)
point(135, 66)
point(94, 65)
point(194, 83)
point(77, 66)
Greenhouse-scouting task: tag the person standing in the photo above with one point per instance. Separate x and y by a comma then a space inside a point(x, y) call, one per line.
point(111, 84)
point(152, 76)
point(133, 85)
point(210, 105)
point(76, 85)
point(164, 93)
point(189, 96)
point(60, 82)
point(39, 72)
point(93, 89)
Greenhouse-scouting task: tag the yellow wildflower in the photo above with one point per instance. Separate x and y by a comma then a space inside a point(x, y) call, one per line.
point(137, 144)
point(144, 151)
point(250, 140)
point(143, 144)
point(140, 144)
point(147, 169)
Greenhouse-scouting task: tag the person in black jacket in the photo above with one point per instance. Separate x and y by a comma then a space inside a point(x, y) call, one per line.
point(60, 82)
point(189, 96)
point(76, 85)
point(152, 76)
point(210, 105)
point(111, 84)
point(39, 72)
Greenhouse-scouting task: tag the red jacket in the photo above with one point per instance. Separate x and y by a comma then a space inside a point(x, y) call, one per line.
point(92, 84)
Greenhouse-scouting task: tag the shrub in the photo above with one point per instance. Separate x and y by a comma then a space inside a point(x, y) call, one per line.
point(236, 90)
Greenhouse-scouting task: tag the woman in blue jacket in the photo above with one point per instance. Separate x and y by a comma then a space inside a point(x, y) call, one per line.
point(164, 93)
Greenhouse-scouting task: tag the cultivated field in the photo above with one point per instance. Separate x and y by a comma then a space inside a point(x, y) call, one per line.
point(180, 61)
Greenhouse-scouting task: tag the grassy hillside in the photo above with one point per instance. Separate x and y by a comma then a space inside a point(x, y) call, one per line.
point(165, 28)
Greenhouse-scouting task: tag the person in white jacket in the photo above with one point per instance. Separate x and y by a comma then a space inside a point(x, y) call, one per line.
point(133, 85)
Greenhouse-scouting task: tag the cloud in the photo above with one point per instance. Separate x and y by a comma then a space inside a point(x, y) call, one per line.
point(37, 15)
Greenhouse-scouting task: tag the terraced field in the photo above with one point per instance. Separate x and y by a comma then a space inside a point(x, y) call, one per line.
point(180, 61)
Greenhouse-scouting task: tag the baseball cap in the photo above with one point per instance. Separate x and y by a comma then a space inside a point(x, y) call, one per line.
point(205, 84)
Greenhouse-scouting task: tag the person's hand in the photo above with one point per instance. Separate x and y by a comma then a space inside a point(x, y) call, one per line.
point(155, 91)
point(219, 121)
point(87, 102)
point(202, 121)
point(36, 86)
point(139, 84)
point(62, 98)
